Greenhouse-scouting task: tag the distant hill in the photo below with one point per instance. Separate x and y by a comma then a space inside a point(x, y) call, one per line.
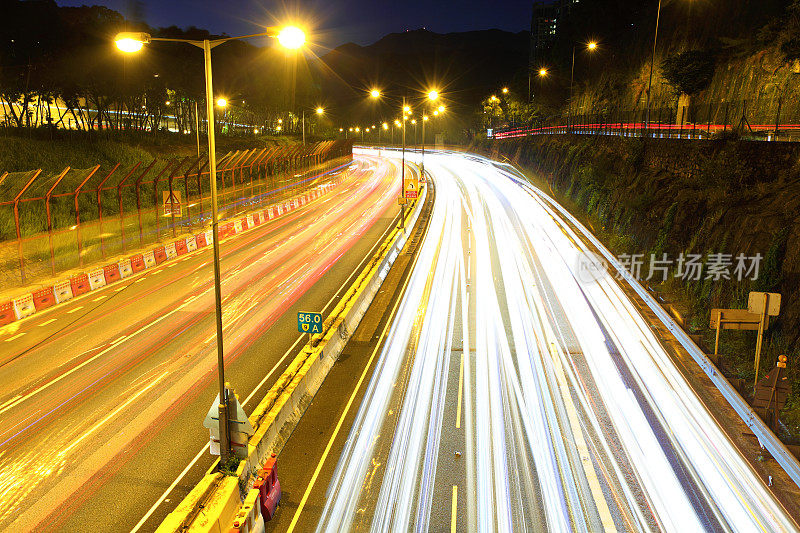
point(464, 66)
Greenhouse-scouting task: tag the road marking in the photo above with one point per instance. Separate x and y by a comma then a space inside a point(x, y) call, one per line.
point(17, 336)
point(580, 443)
point(349, 404)
point(48, 322)
point(10, 402)
point(121, 288)
point(74, 310)
point(263, 381)
point(118, 340)
point(140, 280)
point(460, 390)
point(100, 298)
point(453, 513)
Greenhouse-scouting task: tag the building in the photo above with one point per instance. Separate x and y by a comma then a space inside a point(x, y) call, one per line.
point(545, 19)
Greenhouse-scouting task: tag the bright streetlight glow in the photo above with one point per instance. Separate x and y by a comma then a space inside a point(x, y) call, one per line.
point(441, 109)
point(414, 121)
point(505, 90)
point(396, 122)
point(591, 46)
point(406, 109)
point(351, 129)
point(433, 95)
point(131, 41)
point(320, 111)
point(357, 130)
point(375, 93)
point(291, 37)
point(221, 102)
point(435, 112)
point(542, 72)
point(385, 126)
point(278, 128)
point(255, 130)
point(424, 117)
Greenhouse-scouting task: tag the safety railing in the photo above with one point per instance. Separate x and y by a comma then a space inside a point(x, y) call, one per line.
point(53, 223)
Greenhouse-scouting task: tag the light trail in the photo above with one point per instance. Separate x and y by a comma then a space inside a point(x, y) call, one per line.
point(118, 378)
point(575, 418)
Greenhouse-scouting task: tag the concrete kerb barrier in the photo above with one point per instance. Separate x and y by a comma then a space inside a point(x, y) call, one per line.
point(81, 283)
point(280, 410)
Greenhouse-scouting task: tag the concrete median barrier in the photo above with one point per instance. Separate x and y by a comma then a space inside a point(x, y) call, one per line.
point(279, 412)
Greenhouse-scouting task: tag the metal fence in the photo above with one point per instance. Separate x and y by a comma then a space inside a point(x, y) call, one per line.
point(751, 120)
point(53, 223)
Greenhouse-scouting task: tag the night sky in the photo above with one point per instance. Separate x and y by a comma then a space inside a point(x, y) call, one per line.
point(335, 21)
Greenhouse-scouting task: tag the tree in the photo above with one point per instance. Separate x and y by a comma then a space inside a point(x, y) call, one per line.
point(690, 72)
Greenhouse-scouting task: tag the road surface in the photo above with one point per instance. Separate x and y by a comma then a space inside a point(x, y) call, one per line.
point(518, 388)
point(102, 399)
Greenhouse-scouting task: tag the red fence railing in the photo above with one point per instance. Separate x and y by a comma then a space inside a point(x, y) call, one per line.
point(76, 217)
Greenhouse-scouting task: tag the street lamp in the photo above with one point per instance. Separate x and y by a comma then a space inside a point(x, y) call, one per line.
point(130, 42)
point(375, 93)
point(652, 60)
point(505, 90)
point(542, 72)
point(319, 111)
point(591, 46)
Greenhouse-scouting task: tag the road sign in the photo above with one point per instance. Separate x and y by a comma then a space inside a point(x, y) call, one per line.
point(239, 426)
point(309, 322)
point(172, 203)
point(757, 301)
point(401, 201)
point(734, 319)
point(411, 186)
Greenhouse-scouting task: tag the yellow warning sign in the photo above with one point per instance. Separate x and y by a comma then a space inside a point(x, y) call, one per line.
point(411, 187)
point(172, 203)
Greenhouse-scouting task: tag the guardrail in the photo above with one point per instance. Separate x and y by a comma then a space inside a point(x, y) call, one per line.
point(279, 412)
point(50, 224)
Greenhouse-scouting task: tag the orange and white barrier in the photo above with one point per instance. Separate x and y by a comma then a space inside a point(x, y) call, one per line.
point(249, 519)
point(62, 291)
point(97, 279)
point(67, 289)
point(24, 306)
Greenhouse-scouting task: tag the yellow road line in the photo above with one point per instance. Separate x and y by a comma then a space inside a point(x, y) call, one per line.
point(74, 310)
point(17, 336)
point(48, 322)
point(100, 298)
point(580, 443)
point(453, 514)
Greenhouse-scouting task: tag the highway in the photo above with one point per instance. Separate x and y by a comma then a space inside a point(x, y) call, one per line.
point(102, 399)
point(519, 388)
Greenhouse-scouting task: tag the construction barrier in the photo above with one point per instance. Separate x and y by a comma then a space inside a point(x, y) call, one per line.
point(160, 255)
point(80, 284)
point(62, 291)
point(249, 519)
point(7, 314)
point(149, 259)
point(169, 251)
point(43, 298)
point(24, 306)
point(97, 279)
point(125, 268)
point(269, 488)
point(111, 273)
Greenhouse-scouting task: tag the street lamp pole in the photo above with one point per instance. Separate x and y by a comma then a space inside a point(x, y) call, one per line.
point(304, 126)
point(403, 168)
point(131, 42)
point(652, 62)
point(224, 441)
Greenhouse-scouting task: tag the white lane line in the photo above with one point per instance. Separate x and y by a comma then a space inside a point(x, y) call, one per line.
point(75, 310)
point(185, 471)
point(460, 390)
point(48, 322)
point(17, 336)
point(178, 479)
point(453, 514)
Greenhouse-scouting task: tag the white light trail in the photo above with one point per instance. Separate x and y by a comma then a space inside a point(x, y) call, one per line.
point(575, 417)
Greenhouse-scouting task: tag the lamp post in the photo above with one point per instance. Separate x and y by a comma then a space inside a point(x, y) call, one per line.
point(289, 37)
point(650, 78)
point(591, 46)
point(433, 95)
point(319, 111)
